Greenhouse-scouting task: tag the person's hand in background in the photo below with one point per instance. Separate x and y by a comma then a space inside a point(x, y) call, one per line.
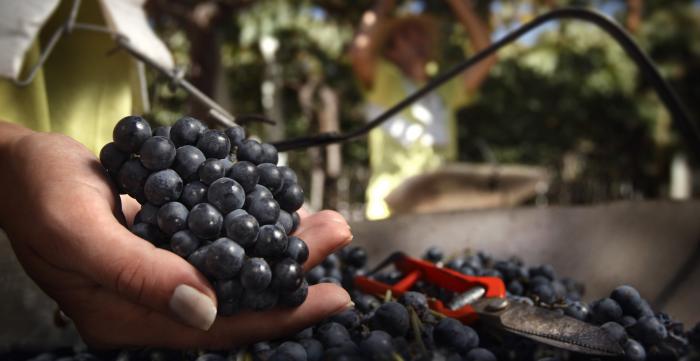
point(66, 226)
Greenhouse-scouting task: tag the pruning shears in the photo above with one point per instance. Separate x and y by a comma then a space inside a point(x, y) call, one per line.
point(484, 299)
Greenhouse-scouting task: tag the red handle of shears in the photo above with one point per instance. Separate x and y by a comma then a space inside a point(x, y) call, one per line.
point(415, 269)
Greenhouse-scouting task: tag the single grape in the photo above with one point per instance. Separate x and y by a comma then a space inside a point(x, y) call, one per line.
point(284, 221)
point(314, 349)
point(295, 298)
point(214, 144)
point(265, 210)
point(577, 310)
point(269, 153)
point(544, 292)
point(259, 192)
point(453, 334)
point(288, 175)
point(315, 274)
point(112, 158)
point(226, 195)
point(391, 317)
point(148, 232)
point(605, 310)
point(211, 170)
point(634, 351)
point(184, 243)
point(172, 217)
point(235, 134)
point(433, 254)
point(224, 259)
point(163, 186)
point(250, 150)
point(350, 318)
point(186, 131)
point(332, 334)
point(242, 228)
point(415, 300)
point(378, 346)
point(544, 270)
point(297, 249)
point(270, 177)
point(515, 287)
point(194, 193)
point(295, 222)
point(287, 275)
point(157, 153)
point(289, 351)
point(615, 330)
point(291, 197)
point(246, 174)
point(187, 161)
point(271, 243)
point(356, 257)
point(256, 274)
point(198, 258)
point(331, 261)
point(149, 214)
point(366, 303)
point(205, 221)
point(131, 178)
point(130, 132)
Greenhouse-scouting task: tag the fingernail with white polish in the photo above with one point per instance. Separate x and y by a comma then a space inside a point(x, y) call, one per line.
point(193, 307)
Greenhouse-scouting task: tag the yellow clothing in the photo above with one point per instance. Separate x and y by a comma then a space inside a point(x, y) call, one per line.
point(405, 145)
point(82, 91)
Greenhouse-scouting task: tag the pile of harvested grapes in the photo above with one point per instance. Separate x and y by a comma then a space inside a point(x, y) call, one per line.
point(220, 201)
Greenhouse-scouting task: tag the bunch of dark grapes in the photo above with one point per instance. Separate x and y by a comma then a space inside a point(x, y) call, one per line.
point(220, 201)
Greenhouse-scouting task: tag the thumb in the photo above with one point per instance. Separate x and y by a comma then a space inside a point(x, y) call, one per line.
point(153, 277)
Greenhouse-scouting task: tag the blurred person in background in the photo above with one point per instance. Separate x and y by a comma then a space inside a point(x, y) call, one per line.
point(392, 57)
point(64, 221)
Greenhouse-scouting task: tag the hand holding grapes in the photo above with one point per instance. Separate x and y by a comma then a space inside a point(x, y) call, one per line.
point(67, 229)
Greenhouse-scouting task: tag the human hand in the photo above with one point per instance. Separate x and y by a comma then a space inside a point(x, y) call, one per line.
point(67, 228)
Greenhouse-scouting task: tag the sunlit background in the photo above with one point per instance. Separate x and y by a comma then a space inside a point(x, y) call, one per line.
point(565, 97)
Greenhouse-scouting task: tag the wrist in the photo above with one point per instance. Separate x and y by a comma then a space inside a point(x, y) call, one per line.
point(10, 135)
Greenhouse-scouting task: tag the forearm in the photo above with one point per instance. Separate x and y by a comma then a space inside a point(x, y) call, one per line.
point(479, 38)
point(477, 30)
point(362, 51)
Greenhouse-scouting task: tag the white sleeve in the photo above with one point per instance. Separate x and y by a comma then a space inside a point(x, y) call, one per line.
point(128, 18)
point(20, 22)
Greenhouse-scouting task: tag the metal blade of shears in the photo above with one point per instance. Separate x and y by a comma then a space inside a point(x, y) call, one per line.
point(547, 327)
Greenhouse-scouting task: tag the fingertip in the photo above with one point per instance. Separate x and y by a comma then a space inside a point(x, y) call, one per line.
point(335, 298)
